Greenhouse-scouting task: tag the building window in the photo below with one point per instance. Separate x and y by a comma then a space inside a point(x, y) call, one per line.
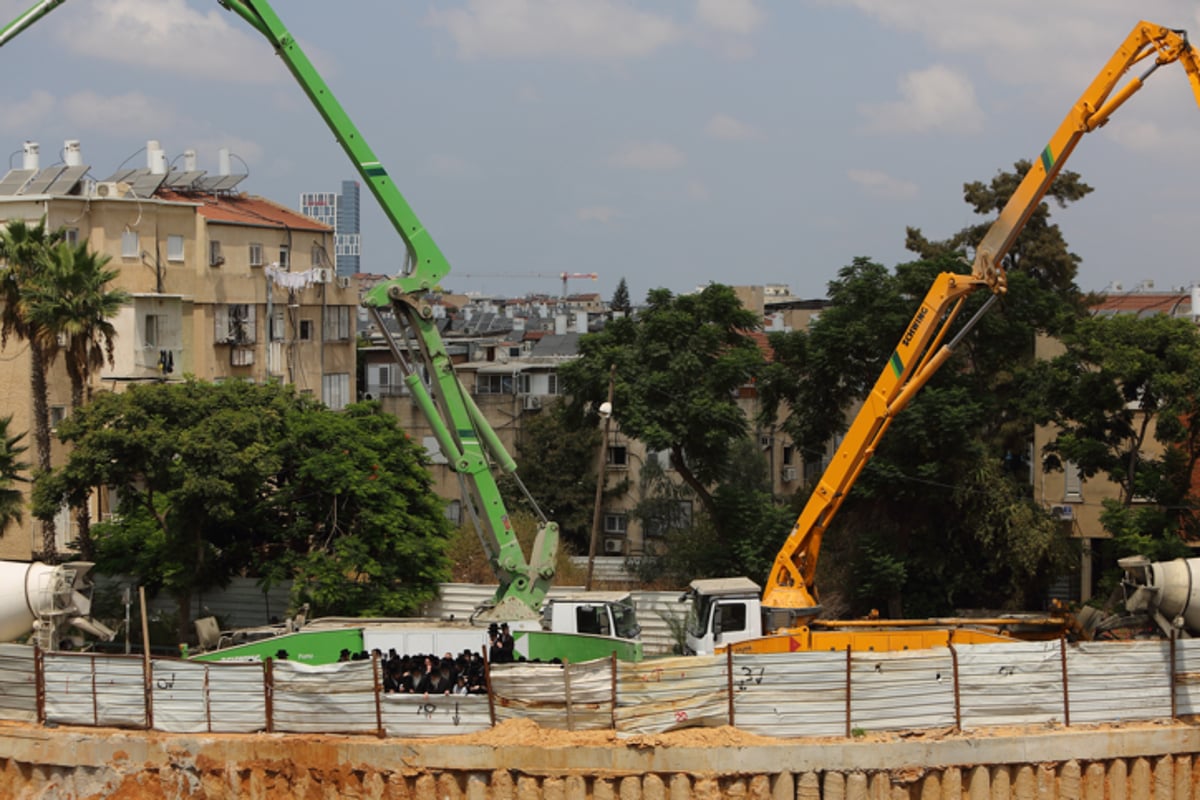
point(306, 330)
point(335, 390)
point(1074, 481)
point(256, 254)
point(318, 255)
point(618, 456)
point(552, 383)
point(129, 245)
point(236, 323)
point(57, 415)
point(789, 454)
point(215, 259)
point(676, 516)
point(494, 384)
point(174, 248)
point(153, 330)
point(71, 236)
point(285, 257)
point(453, 512)
point(337, 323)
point(616, 524)
point(277, 326)
point(523, 383)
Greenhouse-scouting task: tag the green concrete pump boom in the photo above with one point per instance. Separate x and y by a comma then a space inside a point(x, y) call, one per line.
point(466, 439)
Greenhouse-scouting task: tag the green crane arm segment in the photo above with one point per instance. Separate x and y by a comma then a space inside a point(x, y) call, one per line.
point(467, 440)
point(791, 584)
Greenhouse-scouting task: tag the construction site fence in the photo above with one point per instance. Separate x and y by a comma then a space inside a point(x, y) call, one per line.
point(802, 694)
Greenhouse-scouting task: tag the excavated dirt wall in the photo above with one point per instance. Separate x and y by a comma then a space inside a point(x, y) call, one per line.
point(518, 761)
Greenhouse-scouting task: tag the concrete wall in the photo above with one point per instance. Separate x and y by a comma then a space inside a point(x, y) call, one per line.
point(1145, 763)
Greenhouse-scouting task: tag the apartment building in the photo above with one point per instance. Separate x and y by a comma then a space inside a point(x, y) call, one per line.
point(223, 285)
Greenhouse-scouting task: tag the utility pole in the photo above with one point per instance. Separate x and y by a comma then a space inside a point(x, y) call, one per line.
point(605, 412)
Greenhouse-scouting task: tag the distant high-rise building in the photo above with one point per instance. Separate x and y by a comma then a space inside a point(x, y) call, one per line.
point(340, 212)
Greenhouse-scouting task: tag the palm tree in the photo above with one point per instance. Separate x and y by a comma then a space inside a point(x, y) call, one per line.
point(71, 306)
point(23, 248)
point(12, 501)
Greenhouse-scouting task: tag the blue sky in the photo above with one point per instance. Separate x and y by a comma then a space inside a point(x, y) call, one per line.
point(671, 143)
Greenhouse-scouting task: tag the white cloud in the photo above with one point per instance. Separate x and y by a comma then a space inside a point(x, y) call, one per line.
point(723, 126)
point(528, 94)
point(648, 156)
point(730, 16)
point(168, 35)
point(698, 191)
point(572, 29)
point(603, 214)
point(881, 184)
point(27, 114)
point(937, 98)
point(129, 114)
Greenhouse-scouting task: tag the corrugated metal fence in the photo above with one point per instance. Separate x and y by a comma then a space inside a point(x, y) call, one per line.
point(783, 695)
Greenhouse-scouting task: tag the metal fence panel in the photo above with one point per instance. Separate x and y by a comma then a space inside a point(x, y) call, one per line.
point(541, 692)
point(415, 716)
point(1010, 684)
point(199, 697)
point(329, 698)
point(902, 690)
point(1187, 677)
point(1116, 681)
point(18, 683)
point(790, 694)
point(671, 693)
point(89, 689)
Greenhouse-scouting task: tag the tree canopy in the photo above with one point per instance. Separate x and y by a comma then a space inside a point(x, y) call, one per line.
point(213, 480)
point(679, 366)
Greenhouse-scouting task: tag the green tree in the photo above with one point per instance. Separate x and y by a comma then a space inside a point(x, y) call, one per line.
point(679, 366)
point(234, 478)
point(620, 299)
point(72, 305)
point(942, 504)
point(12, 469)
point(557, 465)
point(24, 248)
point(1123, 383)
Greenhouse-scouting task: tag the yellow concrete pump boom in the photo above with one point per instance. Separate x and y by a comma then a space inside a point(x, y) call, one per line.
point(790, 588)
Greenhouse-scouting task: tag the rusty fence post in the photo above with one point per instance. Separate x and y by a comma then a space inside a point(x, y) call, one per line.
point(612, 664)
point(269, 692)
point(957, 695)
point(849, 727)
point(39, 683)
point(1062, 649)
point(96, 701)
point(208, 696)
point(729, 681)
point(377, 689)
point(487, 679)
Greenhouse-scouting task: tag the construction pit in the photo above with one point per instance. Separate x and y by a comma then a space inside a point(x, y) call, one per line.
point(518, 760)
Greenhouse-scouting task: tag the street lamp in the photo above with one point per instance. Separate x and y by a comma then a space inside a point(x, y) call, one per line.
point(605, 411)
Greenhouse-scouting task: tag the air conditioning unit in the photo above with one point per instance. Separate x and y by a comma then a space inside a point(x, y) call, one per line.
point(532, 402)
point(323, 275)
point(789, 474)
point(343, 282)
point(1063, 512)
point(111, 189)
point(613, 547)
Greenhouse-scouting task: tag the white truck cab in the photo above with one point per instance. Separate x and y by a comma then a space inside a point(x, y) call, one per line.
point(723, 611)
point(595, 613)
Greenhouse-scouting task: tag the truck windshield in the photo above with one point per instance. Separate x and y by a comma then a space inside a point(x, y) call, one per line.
point(625, 620)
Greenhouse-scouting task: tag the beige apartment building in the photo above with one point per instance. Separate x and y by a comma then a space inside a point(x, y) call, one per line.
point(224, 285)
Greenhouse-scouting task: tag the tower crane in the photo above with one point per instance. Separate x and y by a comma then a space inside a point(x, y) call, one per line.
point(563, 276)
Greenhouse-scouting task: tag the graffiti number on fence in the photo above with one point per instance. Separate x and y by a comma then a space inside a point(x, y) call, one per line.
point(681, 716)
point(1007, 670)
point(166, 684)
point(750, 675)
point(426, 710)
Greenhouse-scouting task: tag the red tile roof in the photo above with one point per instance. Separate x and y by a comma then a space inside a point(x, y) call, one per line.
point(244, 209)
point(1143, 303)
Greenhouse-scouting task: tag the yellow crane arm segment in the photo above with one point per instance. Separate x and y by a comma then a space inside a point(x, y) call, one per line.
point(922, 349)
